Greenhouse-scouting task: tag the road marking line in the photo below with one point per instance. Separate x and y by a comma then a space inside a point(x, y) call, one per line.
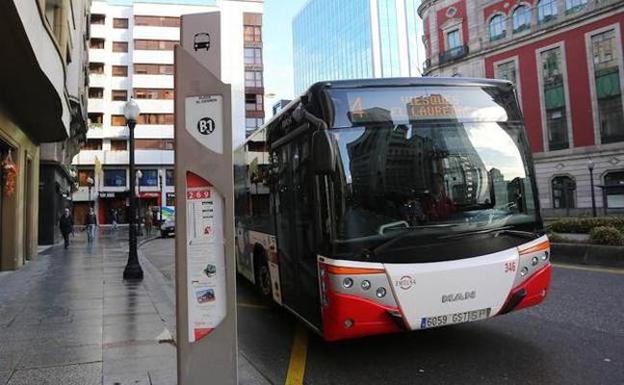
point(252, 305)
point(298, 354)
point(593, 269)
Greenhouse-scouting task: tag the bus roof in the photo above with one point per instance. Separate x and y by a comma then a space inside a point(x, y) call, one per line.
point(416, 81)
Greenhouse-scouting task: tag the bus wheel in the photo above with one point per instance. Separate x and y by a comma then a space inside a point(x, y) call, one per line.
point(263, 277)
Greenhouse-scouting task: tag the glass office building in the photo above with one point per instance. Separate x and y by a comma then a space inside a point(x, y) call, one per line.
point(355, 39)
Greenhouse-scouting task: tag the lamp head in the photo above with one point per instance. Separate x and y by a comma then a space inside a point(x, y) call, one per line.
point(131, 110)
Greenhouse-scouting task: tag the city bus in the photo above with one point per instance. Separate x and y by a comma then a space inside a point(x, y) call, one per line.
point(387, 205)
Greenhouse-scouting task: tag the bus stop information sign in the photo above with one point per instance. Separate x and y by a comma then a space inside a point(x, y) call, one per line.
point(205, 266)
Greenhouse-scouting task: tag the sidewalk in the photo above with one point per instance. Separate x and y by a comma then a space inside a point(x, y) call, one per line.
point(67, 317)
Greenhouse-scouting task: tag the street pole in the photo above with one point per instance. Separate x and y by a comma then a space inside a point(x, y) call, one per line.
point(133, 268)
point(161, 196)
point(590, 166)
point(139, 175)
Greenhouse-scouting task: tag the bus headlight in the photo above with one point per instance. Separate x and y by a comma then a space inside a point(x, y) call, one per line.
point(524, 271)
point(366, 284)
point(534, 261)
point(545, 255)
point(381, 292)
point(347, 282)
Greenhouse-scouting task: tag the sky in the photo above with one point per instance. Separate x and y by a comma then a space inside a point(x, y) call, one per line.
point(277, 47)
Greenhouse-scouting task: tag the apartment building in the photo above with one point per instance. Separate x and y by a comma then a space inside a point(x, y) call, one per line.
point(131, 55)
point(565, 59)
point(42, 118)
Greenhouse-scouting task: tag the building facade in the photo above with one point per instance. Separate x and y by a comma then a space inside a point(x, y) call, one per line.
point(565, 59)
point(42, 118)
point(131, 55)
point(336, 40)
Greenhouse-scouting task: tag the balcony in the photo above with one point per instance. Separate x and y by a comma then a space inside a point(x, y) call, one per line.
point(453, 54)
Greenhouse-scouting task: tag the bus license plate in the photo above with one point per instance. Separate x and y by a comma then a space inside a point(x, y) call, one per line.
point(455, 318)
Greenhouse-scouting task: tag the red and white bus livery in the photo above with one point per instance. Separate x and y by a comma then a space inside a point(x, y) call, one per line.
point(379, 206)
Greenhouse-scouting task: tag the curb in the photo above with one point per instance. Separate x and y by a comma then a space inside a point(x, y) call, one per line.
point(588, 254)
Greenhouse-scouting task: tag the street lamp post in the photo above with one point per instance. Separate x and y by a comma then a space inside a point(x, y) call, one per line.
point(590, 167)
point(90, 182)
point(160, 188)
point(139, 175)
point(133, 267)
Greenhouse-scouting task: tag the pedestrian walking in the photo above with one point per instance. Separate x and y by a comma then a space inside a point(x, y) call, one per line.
point(91, 223)
point(66, 224)
point(115, 217)
point(148, 221)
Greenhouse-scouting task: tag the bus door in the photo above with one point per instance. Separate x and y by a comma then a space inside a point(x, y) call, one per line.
point(295, 238)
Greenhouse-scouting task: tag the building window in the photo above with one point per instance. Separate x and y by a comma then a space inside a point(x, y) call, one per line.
point(452, 39)
point(120, 46)
point(157, 21)
point(115, 178)
point(98, 18)
point(154, 144)
point(507, 71)
point(251, 124)
point(608, 87)
point(253, 56)
point(614, 189)
point(554, 99)
point(118, 120)
point(96, 117)
point(497, 27)
point(169, 178)
point(96, 68)
point(120, 23)
point(253, 79)
point(96, 43)
point(153, 93)
point(253, 102)
point(83, 177)
point(521, 18)
point(170, 199)
point(119, 145)
point(149, 178)
point(563, 188)
point(155, 119)
point(96, 93)
point(120, 71)
point(93, 145)
point(120, 95)
point(546, 10)
point(253, 34)
point(153, 69)
point(154, 45)
point(575, 5)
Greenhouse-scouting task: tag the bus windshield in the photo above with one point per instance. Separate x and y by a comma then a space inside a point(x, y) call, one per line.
point(434, 161)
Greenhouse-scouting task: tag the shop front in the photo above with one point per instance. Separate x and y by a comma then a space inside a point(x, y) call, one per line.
point(110, 202)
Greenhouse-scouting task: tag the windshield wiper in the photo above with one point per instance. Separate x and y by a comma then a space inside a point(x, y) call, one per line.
point(410, 231)
point(505, 230)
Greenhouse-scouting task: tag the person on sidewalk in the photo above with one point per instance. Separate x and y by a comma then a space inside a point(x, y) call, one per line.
point(148, 221)
point(66, 224)
point(91, 223)
point(115, 217)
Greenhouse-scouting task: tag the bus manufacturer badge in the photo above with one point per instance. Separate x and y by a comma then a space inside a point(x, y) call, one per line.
point(406, 282)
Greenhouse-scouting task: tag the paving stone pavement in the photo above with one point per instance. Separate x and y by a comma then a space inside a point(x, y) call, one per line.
point(67, 317)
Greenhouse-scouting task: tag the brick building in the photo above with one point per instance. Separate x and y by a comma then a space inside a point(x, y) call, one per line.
point(565, 58)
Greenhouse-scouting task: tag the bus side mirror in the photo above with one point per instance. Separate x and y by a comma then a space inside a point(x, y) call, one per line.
point(323, 153)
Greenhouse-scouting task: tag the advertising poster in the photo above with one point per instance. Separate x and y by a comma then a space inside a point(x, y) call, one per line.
point(205, 257)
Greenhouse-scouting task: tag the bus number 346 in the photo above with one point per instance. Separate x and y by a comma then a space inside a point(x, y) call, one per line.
point(510, 267)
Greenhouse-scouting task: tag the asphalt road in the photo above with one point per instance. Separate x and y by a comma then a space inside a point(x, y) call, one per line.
point(575, 337)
